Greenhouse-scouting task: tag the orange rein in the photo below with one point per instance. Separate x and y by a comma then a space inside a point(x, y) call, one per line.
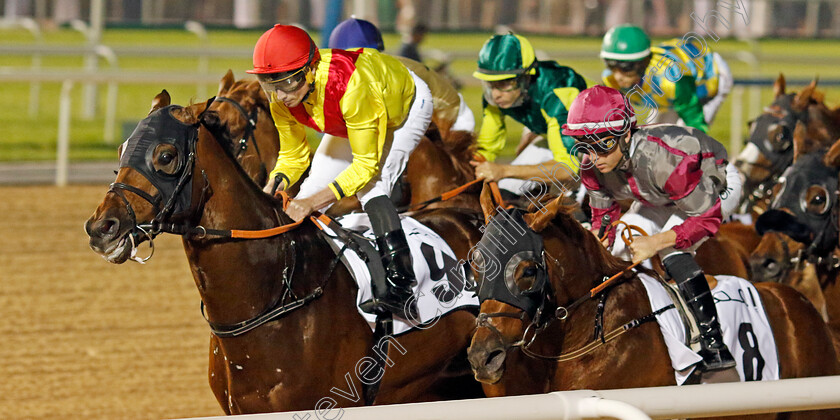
point(267, 233)
point(443, 197)
point(627, 237)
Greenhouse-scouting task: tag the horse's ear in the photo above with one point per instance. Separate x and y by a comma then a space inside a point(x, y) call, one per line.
point(832, 157)
point(226, 82)
point(803, 98)
point(161, 100)
point(779, 86)
point(488, 204)
point(256, 93)
point(539, 219)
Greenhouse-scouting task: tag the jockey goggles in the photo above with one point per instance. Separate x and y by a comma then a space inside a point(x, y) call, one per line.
point(626, 66)
point(602, 147)
point(287, 82)
point(504, 85)
point(507, 85)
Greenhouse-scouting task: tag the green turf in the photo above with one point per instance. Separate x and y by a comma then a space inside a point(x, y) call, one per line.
point(26, 138)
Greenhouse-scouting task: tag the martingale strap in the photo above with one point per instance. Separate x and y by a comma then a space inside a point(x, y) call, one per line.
point(234, 330)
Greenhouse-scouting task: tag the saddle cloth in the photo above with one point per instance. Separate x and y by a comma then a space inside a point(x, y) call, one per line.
point(441, 286)
point(744, 324)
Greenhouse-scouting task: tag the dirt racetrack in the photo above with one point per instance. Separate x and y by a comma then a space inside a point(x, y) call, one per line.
point(83, 338)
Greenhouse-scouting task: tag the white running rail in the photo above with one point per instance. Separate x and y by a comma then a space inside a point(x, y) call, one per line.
point(695, 401)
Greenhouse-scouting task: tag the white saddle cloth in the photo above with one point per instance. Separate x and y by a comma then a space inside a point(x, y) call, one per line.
point(744, 324)
point(439, 276)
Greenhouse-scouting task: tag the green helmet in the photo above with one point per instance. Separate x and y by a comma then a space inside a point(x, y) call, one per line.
point(625, 43)
point(505, 56)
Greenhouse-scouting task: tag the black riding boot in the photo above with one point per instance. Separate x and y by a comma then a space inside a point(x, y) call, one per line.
point(396, 258)
point(695, 290)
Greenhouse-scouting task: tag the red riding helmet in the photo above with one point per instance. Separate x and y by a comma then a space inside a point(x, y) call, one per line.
point(283, 48)
point(597, 110)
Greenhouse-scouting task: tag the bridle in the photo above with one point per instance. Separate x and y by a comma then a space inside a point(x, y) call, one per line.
point(547, 312)
point(251, 120)
point(163, 223)
point(780, 158)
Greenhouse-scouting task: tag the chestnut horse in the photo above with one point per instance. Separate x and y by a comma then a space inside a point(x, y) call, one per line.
point(769, 149)
point(286, 331)
point(552, 311)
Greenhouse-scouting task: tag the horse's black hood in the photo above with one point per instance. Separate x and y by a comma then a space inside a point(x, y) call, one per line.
point(160, 127)
point(506, 242)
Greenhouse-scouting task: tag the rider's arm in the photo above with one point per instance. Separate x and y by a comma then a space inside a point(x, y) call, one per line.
point(695, 193)
point(491, 136)
point(293, 157)
point(687, 105)
point(554, 109)
point(601, 202)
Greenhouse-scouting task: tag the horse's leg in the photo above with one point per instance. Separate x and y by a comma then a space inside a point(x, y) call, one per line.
point(218, 374)
point(428, 354)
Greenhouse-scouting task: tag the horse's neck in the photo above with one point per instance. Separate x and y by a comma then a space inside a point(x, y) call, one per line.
point(236, 279)
point(581, 272)
point(829, 280)
point(235, 202)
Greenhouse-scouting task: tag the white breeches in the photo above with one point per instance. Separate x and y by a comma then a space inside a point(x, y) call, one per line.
point(466, 119)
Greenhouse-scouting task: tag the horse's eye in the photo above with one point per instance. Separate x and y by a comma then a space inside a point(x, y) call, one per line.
point(529, 272)
point(816, 200)
point(166, 158)
point(526, 277)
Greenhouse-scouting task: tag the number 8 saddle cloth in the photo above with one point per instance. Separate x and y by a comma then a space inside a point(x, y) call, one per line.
point(744, 325)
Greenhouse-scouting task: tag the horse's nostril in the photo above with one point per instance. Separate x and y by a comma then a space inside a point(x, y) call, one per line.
point(771, 266)
point(107, 227)
point(495, 359)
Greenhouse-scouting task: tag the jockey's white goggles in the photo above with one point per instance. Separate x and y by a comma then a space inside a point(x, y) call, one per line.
point(287, 82)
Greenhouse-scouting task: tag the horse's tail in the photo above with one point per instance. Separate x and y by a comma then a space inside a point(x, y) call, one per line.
point(460, 146)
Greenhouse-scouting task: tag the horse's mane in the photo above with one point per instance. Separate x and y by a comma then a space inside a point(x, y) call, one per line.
point(575, 233)
point(460, 146)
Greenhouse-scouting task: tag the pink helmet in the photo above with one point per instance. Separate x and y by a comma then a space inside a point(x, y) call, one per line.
point(599, 109)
